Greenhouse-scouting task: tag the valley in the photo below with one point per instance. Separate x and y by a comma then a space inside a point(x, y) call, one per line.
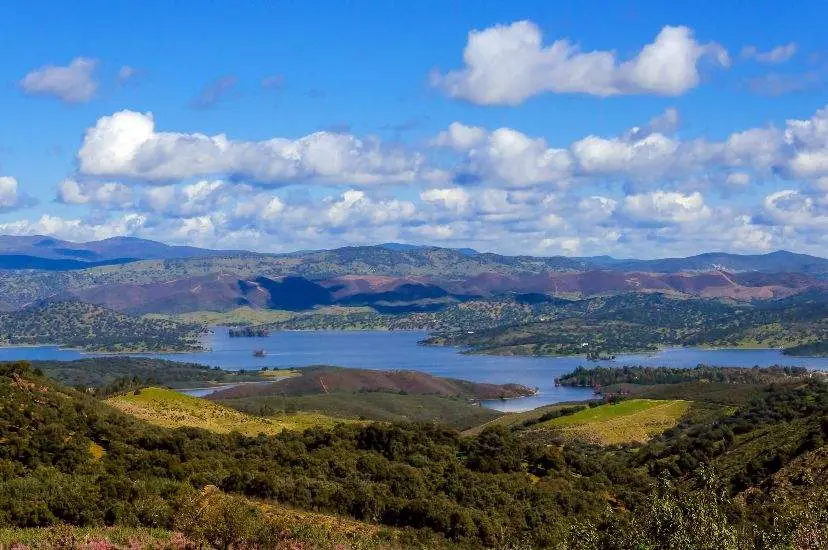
point(413, 275)
point(410, 396)
point(484, 303)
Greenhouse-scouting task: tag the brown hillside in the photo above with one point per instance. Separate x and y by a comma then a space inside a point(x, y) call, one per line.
point(741, 286)
point(323, 379)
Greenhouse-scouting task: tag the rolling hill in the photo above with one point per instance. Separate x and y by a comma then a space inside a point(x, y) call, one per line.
point(170, 409)
point(326, 379)
point(630, 421)
point(742, 474)
point(110, 372)
point(632, 322)
point(26, 262)
point(395, 396)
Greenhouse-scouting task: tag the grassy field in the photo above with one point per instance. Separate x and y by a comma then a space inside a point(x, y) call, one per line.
point(252, 316)
point(515, 420)
point(712, 393)
point(64, 536)
point(239, 316)
point(776, 335)
point(634, 420)
point(278, 374)
point(171, 409)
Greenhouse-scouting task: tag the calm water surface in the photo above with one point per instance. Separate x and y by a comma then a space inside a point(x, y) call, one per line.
point(399, 350)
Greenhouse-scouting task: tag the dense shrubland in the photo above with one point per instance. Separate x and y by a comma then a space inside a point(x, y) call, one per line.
point(707, 483)
point(605, 376)
point(632, 322)
point(111, 372)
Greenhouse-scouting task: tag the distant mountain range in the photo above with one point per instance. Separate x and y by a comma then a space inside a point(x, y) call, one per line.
point(773, 262)
point(223, 292)
point(48, 253)
point(390, 277)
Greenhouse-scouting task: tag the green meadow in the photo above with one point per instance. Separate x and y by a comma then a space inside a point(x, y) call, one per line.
point(631, 421)
point(170, 409)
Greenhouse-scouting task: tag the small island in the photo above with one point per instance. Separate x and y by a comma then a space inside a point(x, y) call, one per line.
point(248, 332)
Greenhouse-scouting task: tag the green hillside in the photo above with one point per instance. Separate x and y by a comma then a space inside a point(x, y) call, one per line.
point(171, 409)
point(381, 406)
point(636, 322)
point(400, 396)
point(734, 478)
point(631, 421)
point(117, 373)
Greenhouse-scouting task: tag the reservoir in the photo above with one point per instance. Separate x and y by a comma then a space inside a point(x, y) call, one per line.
point(399, 350)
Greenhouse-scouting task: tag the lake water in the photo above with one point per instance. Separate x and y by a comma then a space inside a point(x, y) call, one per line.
point(380, 350)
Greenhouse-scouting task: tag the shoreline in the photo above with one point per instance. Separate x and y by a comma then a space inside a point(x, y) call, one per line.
point(648, 352)
point(83, 351)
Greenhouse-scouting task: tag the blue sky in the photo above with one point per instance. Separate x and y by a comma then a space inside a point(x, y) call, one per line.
point(574, 128)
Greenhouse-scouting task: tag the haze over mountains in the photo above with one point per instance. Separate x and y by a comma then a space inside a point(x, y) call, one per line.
point(123, 249)
point(16, 251)
point(140, 276)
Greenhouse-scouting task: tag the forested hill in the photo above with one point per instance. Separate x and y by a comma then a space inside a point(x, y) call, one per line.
point(633, 322)
point(109, 373)
point(730, 478)
point(94, 328)
point(599, 377)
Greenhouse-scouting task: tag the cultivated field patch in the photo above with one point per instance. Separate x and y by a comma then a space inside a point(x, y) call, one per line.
point(634, 420)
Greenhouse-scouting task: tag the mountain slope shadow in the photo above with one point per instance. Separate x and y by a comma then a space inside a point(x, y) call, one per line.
point(290, 293)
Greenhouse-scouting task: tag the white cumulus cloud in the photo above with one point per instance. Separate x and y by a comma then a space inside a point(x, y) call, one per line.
point(507, 64)
point(74, 83)
point(460, 137)
point(667, 207)
point(107, 195)
point(126, 144)
point(809, 142)
point(454, 199)
point(792, 208)
point(9, 196)
point(508, 156)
